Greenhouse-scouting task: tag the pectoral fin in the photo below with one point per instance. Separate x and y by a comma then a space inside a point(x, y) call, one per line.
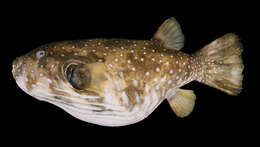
point(170, 35)
point(182, 102)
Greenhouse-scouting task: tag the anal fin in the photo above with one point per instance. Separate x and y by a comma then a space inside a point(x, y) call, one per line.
point(182, 103)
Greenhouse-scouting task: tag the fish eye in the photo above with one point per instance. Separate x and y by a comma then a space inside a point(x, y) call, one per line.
point(78, 77)
point(40, 54)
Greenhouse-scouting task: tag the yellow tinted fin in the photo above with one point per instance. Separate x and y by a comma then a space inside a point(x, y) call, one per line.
point(223, 67)
point(170, 34)
point(182, 103)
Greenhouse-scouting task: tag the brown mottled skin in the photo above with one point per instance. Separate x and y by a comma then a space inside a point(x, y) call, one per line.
point(92, 51)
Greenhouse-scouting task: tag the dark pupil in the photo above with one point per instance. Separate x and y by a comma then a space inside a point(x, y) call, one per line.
point(76, 77)
point(41, 53)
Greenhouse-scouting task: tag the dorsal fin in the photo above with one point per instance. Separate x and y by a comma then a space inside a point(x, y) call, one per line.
point(170, 34)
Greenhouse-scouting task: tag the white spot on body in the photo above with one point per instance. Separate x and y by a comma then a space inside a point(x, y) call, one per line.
point(142, 59)
point(153, 59)
point(133, 68)
point(116, 59)
point(121, 74)
point(163, 79)
point(147, 73)
point(157, 69)
point(135, 83)
point(128, 61)
point(52, 66)
point(171, 71)
point(147, 88)
point(157, 87)
point(41, 74)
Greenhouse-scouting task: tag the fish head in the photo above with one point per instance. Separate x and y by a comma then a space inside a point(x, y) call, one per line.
point(60, 76)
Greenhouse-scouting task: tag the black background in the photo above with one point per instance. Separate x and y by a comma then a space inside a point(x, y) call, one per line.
point(217, 117)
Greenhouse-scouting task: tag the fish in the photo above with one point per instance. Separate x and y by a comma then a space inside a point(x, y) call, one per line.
point(118, 82)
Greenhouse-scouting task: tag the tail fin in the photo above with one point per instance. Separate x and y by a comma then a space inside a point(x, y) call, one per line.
point(223, 65)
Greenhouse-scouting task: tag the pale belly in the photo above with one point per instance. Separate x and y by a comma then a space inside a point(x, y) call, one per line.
point(115, 115)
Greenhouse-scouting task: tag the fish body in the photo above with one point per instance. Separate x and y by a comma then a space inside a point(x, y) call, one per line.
point(117, 82)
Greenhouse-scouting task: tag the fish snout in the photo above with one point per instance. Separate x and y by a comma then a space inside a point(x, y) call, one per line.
point(17, 67)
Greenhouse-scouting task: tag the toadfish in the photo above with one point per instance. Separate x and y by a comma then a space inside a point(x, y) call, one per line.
point(118, 82)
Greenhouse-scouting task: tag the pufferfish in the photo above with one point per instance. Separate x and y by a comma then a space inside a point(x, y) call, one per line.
point(118, 82)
